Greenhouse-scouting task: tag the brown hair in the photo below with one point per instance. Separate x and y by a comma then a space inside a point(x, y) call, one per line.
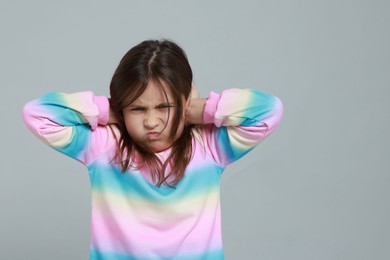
point(158, 61)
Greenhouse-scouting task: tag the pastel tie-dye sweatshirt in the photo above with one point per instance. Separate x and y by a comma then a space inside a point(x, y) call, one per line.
point(132, 218)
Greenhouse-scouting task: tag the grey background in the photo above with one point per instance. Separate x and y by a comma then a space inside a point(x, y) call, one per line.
point(318, 188)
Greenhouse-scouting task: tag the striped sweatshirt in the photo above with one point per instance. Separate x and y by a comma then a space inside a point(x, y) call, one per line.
point(131, 218)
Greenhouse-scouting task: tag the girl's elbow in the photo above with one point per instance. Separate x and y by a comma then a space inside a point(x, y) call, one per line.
point(27, 113)
point(279, 110)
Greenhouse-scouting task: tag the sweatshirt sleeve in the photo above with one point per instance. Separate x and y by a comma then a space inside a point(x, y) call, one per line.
point(237, 120)
point(70, 123)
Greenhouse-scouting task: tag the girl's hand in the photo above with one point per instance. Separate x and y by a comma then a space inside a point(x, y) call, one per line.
point(194, 92)
point(195, 107)
point(111, 117)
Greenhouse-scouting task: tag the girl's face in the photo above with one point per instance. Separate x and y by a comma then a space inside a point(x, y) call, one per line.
point(149, 118)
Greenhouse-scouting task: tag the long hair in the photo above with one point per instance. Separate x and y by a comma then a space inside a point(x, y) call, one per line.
point(158, 61)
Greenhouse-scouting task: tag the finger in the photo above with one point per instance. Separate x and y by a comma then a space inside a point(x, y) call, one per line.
point(194, 91)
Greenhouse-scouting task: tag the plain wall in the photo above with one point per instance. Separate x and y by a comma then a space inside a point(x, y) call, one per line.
point(317, 188)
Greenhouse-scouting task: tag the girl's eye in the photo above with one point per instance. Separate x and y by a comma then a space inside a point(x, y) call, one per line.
point(164, 106)
point(137, 109)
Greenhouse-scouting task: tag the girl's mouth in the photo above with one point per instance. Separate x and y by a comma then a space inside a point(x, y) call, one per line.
point(153, 135)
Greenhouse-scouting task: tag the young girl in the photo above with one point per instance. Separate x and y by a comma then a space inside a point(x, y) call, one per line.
point(155, 153)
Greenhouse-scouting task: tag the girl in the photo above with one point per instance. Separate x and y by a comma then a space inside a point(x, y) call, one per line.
point(155, 153)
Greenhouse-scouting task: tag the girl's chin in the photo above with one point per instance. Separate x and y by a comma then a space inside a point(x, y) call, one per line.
point(159, 148)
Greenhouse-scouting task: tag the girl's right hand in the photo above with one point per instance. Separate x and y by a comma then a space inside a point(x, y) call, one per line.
point(111, 117)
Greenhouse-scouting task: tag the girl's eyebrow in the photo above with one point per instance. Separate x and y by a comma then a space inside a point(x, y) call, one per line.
point(167, 103)
point(159, 104)
point(134, 105)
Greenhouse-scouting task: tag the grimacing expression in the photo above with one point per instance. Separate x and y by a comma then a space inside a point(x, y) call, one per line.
point(149, 118)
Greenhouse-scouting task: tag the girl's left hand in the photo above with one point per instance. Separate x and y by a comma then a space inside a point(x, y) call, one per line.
point(194, 107)
point(194, 92)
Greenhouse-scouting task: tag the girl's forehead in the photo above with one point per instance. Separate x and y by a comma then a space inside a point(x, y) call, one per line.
point(156, 92)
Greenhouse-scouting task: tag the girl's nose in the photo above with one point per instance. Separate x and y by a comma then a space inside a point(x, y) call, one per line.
point(151, 120)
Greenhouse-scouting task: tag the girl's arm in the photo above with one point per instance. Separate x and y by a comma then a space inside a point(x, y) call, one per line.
point(236, 121)
point(70, 123)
